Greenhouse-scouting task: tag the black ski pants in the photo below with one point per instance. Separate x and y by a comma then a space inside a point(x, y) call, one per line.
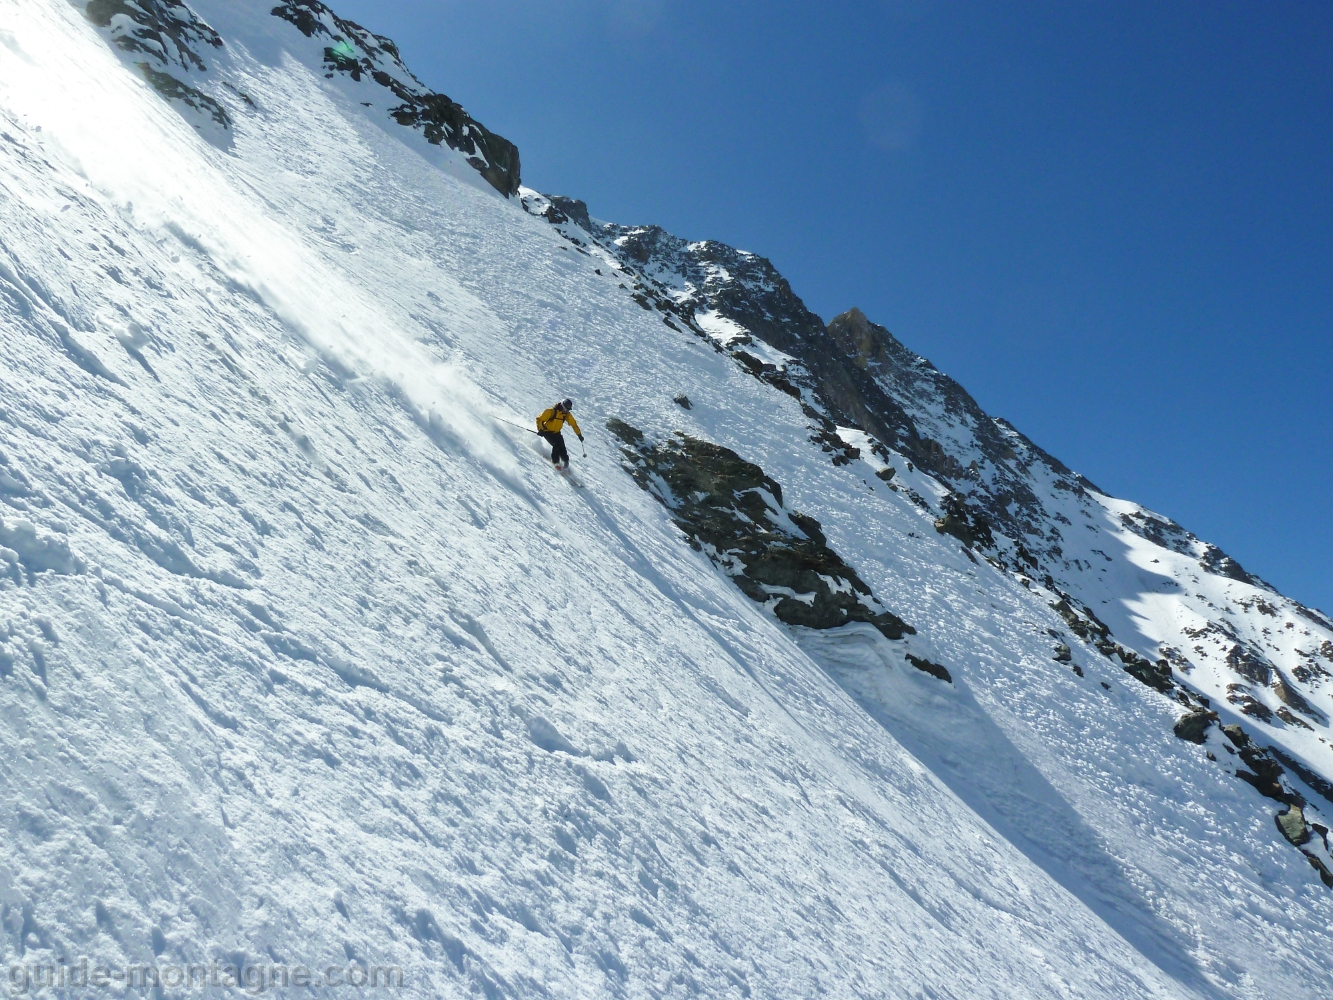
point(559, 453)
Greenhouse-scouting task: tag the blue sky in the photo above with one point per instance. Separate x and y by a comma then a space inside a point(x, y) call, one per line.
point(1112, 222)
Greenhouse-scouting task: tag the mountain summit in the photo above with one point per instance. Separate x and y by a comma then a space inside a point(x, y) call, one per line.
point(818, 680)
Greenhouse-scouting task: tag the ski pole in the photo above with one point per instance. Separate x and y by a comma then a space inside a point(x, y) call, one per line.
point(512, 424)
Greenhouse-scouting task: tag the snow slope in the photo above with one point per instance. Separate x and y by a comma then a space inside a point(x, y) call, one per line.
point(310, 658)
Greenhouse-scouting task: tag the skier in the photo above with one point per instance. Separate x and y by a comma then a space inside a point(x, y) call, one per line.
point(548, 427)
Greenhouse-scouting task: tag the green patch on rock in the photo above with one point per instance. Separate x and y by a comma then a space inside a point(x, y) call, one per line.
point(729, 509)
point(342, 58)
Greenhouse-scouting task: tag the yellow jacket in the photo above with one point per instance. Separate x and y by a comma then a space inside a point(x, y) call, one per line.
point(552, 420)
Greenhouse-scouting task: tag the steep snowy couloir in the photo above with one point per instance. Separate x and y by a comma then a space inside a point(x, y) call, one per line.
point(310, 659)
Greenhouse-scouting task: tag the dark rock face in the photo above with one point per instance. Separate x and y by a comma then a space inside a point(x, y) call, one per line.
point(1250, 664)
point(572, 210)
point(934, 669)
point(1265, 773)
point(166, 40)
point(1215, 561)
point(1291, 698)
point(729, 509)
point(1238, 695)
point(358, 53)
point(988, 463)
point(1155, 675)
point(174, 90)
point(964, 523)
point(164, 30)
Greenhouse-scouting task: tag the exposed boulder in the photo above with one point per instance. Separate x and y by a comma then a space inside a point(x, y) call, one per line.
point(1194, 726)
point(729, 509)
point(571, 210)
point(1291, 821)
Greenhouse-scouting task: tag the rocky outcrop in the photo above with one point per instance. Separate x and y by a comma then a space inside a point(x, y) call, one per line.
point(353, 51)
point(167, 32)
point(1293, 826)
point(729, 509)
point(964, 523)
point(166, 41)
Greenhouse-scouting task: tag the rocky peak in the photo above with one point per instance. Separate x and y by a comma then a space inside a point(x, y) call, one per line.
point(858, 338)
point(360, 54)
point(167, 42)
point(572, 210)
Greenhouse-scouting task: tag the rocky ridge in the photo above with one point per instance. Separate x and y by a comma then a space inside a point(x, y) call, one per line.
point(183, 58)
point(1001, 496)
point(359, 54)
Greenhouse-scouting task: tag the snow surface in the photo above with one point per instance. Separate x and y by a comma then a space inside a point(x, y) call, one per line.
point(311, 658)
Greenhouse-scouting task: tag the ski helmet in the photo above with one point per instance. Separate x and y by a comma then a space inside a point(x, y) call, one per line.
point(567, 404)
